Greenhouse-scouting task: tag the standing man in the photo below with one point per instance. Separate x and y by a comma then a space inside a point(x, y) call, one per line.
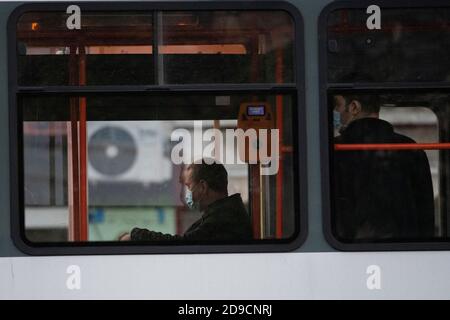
point(379, 194)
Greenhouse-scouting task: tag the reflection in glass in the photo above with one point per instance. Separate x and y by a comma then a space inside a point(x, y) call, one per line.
point(390, 167)
point(412, 45)
point(132, 180)
point(111, 48)
point(226, 47)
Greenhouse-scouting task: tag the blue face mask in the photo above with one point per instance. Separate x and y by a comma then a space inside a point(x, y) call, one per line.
point(190, 200)
point(337, 120)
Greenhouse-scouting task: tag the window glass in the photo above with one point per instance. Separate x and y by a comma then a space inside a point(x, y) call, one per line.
point(412, 45)
point(110, 48)
point(116, 48)
point(133, 176)
point(389, 166)
point(226, 47)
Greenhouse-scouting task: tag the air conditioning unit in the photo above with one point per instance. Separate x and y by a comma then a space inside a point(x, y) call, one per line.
point(129, 151)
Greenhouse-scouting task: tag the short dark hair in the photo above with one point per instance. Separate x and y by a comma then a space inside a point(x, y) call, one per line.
point(214, 174)
point(370, 103)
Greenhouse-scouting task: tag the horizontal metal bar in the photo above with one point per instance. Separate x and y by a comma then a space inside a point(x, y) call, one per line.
point(421, 86)
point(159, 89)
point(391, 146)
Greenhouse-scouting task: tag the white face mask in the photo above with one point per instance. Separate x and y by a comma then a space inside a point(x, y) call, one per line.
point(337, 122)
point(190, 200)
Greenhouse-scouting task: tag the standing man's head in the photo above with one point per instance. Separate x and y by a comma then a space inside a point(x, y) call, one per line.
point(350, 107)
point(205, 183)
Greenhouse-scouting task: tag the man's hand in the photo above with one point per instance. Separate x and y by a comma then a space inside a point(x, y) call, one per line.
point(125, 237)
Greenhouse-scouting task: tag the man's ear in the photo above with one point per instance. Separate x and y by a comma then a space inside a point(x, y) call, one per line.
point(354, 107)
point(204, 185)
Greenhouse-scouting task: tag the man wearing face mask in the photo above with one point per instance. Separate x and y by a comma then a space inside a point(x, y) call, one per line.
point(224, 217)
point(380, 194)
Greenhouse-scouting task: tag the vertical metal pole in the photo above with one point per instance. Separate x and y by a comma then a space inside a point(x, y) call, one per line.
point(76, 151)
point(83, 149)
point(158, 42)
point(73, 179)
point(256, 192)
point(72, 153)
point(263, 207)
point(155, 46)
point(255, 200)
point(52, 163)
point(279, 108)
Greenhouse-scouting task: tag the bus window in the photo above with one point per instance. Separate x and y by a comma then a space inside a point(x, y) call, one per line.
point(130, 177)
point(388, 167)
point(245, 44)
point(110, 48)
point(118, 122)
point(389, 142)
point(116, 48)
point(412, 45)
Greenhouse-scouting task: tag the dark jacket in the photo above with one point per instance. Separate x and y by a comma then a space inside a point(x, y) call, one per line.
point(381, 194)
point(224, 219)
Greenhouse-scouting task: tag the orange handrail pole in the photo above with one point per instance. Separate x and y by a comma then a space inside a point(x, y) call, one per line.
point(83, 150)
point(391, 146)
point(78, 218)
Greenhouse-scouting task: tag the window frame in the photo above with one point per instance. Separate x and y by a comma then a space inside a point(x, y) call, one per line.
point(326, 130)
point(15, 92)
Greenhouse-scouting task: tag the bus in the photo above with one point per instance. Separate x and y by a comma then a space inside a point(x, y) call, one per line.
point(330, 118)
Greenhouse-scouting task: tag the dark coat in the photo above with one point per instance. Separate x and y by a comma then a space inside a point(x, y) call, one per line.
point(381, 194)
point(225, 219)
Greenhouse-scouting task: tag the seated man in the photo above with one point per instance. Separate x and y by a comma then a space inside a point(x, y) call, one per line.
point(224, 217)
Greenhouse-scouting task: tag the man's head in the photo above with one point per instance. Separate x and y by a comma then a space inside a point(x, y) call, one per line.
point(349, 107)
point(205, 183)
point(356, 106)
